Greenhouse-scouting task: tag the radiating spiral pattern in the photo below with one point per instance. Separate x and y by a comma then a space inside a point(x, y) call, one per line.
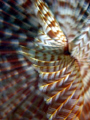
point(44, 59)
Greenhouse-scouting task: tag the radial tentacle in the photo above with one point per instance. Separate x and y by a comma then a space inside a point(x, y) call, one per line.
point(44, 59)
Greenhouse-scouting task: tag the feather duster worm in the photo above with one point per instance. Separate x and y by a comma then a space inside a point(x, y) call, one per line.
point(44, 60)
